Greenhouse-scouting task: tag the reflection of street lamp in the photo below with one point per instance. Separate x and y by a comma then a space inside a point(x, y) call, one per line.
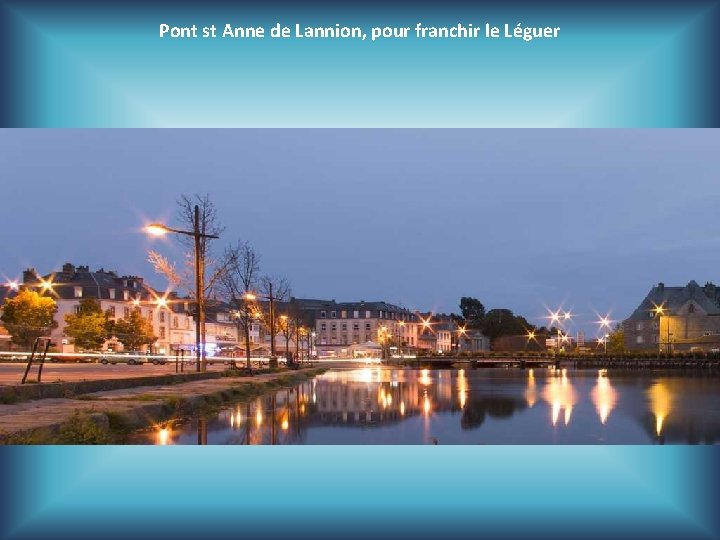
point(158, 229)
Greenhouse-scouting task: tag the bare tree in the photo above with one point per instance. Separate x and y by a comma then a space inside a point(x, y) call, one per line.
point(238, 281)
point(274, 289)
point(208, 270)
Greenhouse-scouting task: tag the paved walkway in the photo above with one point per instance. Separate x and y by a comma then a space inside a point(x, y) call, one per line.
point(46, 413)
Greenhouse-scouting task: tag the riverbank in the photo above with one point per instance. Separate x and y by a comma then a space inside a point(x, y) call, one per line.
point(105, 417)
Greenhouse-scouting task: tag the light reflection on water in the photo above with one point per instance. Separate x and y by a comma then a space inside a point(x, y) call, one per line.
point(483, 406)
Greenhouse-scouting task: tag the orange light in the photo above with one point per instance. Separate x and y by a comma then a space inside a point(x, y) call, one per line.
point(156, 229)
point(249, 296)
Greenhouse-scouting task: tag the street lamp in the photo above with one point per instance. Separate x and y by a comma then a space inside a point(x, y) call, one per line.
point(661, 311)
point(158, 229)
point(557, 317)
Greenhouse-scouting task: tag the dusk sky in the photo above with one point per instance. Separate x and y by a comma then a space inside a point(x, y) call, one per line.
point(522, 219)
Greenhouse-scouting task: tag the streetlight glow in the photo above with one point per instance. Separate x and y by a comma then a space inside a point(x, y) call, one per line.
point(157, 229)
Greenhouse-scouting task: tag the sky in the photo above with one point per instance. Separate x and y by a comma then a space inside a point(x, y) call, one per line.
point(529, 220)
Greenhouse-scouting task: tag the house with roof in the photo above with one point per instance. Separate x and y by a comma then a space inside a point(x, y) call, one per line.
point(118, 296)
point(676, 319)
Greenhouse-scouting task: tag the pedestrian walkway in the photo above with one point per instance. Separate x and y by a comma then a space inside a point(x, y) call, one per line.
point(138, 405)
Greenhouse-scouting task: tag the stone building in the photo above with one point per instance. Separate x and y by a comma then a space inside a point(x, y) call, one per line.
point(676, 319)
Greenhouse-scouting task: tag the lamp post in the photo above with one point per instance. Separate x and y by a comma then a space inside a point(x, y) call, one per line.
point(158, 229)
point(271, 300)
point(660, 311)
point(604, 323)
point(557, 317)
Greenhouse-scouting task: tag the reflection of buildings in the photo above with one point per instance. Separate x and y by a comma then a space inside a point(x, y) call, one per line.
point(674, 409)
point(683, 410)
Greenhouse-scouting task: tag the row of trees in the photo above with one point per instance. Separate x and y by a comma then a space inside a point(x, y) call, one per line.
point(30, 315)
point(231, 276)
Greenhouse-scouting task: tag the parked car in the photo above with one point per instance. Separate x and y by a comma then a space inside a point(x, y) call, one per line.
point(132, 359)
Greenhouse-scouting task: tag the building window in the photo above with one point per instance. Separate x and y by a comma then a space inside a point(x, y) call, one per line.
point(77, 309)
point(150, 315)
point(175, 323)
point(334, 327)
point(344, 326)
point(691, 308)
point(126, 312)
point(639, 327)
point(111, 310)
point(367, 314)
point(343, 314)
point(344, 339)
point(111, 293)
point(161, 316)
point(323, 326)
point(187, 323)
point(333, 314)
point(78, 292)
point(367, 326)
point(356, 314)
point(162, 332)
point(323, 314)
point(126, 295)
point(356, 326)
point(639, 339)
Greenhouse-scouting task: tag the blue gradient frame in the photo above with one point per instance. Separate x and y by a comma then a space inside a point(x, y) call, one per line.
point(616, 64)
point(419, 492)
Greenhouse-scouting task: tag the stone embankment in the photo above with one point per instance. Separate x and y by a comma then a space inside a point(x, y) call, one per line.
point(86, 416)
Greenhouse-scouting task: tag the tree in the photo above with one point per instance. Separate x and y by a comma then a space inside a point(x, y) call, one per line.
point(89, 327)
point(274, 288)
point(616, 340)
point(473, 311)
point(237, 281)
point(208, 223)
point(134, 331)
point(28, 316)
point(503, 322)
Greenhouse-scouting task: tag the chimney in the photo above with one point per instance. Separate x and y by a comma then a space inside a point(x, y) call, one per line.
point(661, 286)
point(68, 269)
point(30, 275)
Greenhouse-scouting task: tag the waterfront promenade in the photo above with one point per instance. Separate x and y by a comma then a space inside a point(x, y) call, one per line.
point(110, 411)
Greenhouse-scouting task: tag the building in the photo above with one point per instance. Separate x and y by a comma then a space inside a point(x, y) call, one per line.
point(676, 319)
point(118, 296)
point(340, 325)
point(442, 333)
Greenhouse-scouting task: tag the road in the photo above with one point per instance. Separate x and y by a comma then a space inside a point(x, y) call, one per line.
point(11, 373)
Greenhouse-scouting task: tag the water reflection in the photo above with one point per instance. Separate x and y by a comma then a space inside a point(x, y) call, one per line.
point(390, 406)
point(660, 404)
point(561, 396)
point(531, 392)
point(603, 396)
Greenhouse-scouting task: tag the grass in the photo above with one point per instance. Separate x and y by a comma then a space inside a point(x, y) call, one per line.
point(82, 429)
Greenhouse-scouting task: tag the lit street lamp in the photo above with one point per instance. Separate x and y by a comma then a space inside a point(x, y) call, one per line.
point(557, 317)
point(158, 229)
